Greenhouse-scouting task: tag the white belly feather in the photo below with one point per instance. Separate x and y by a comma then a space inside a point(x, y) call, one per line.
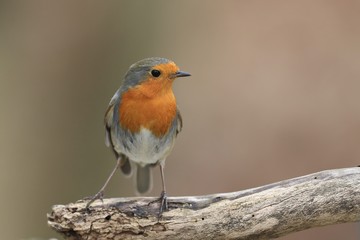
point(147, 148)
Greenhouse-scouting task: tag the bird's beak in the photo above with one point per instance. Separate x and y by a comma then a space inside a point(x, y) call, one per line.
point(181, 74)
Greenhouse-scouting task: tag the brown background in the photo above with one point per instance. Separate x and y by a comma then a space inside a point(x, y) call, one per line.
point(274, 95)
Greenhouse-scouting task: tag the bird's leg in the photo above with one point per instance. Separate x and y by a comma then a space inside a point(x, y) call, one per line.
point(100, 194)
point(163, 197)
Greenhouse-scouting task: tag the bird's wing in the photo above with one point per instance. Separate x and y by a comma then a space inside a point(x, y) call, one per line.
point(110, 117)
point(179, 121)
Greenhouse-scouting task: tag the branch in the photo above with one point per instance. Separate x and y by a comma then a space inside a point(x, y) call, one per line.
point(319, 199)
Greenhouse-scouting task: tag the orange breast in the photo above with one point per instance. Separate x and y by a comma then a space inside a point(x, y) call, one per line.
point(151, 105)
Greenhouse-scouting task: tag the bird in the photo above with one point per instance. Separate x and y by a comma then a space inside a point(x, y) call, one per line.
point(142, 122)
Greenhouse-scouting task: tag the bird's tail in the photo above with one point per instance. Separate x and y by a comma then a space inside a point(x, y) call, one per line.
point(143, 179)
point(125, 166)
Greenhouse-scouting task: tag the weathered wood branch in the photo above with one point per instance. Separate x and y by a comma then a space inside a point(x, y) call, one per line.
point(271, 211)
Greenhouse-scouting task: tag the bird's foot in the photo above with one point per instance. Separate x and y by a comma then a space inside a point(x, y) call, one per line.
point(163, 203)
point(99, 195)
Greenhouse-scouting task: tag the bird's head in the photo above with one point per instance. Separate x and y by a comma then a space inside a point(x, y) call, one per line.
point(153, 75)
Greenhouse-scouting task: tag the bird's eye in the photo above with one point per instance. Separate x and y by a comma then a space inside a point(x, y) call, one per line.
point(155, 73)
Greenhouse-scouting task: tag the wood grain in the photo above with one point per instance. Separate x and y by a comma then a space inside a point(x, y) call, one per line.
point(266, 212)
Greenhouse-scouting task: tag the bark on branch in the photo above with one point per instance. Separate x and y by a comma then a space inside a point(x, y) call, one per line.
point(271, 211)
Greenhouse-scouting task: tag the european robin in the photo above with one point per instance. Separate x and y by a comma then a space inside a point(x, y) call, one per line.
point(142, 122)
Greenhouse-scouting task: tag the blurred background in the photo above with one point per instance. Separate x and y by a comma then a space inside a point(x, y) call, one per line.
point(274, 94)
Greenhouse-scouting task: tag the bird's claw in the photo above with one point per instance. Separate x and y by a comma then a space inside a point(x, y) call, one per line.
point(163, 203)
point(99, 195)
